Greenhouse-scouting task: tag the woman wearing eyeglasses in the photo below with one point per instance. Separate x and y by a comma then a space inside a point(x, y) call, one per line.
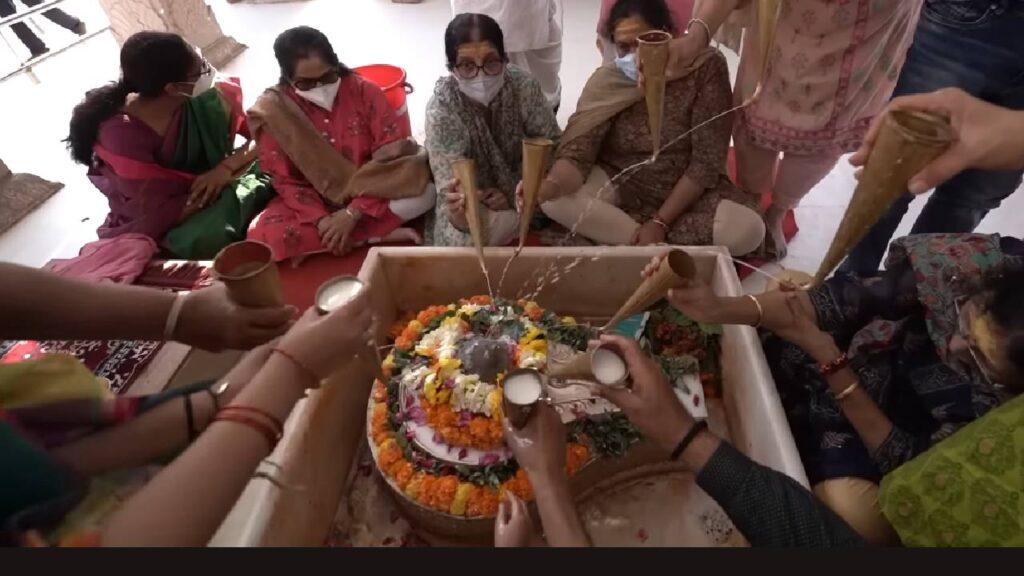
point(160, 145)
point(345, 170)
point(873, 371)
point(482, 111)
point(684, 196)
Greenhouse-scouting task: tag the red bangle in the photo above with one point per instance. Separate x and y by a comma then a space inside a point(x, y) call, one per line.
point(312, 375)
point(268, 432)
point(834, 366)
point(278, 425)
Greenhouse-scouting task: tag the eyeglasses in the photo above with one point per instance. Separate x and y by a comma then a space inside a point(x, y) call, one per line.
point(469, 70)
point(329, 77)
point(204, 68)
point(972, 347)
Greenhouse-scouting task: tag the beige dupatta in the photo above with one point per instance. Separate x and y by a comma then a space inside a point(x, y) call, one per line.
point(397, 170)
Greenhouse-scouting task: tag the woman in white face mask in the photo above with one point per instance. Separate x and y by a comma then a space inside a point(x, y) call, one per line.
point(684, 197)
point(323, 134)
point(482, 111)
point(158, 144)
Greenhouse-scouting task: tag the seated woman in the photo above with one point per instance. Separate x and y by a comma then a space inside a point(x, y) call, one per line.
point(872, 372)
point(482, 111)
point(684, 197)
point(158, 144)
point(345, 171)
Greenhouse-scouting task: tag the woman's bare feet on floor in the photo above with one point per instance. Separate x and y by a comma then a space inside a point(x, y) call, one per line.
point(775, 241)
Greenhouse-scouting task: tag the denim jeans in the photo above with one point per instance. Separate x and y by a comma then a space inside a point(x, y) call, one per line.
point(977, 46)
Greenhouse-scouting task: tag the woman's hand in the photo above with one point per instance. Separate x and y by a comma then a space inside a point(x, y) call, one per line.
point(650, 234)
point(324, 344)
point(787, 316)
point(539, 447)
point(988, 137)
point(650, 403)
point(513, 527)
point(210, 320)
point(207, 187)
point(336, 231)
point(455, 205)
point(494, 200)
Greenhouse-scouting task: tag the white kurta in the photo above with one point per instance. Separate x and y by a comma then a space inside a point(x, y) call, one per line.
point(533, 36)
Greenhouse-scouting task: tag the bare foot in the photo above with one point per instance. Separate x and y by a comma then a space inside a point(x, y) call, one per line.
point(404, 235)
point(775, 242)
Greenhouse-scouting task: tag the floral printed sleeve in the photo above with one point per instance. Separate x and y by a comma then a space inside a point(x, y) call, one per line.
point(710, 144)
point(447, 140)
point(540, 121)
point(583, 151)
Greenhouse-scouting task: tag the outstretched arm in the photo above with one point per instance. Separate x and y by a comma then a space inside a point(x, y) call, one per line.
point(35, 304)
point(768, 507)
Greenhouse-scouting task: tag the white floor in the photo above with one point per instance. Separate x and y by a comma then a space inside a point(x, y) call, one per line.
point(34, 117)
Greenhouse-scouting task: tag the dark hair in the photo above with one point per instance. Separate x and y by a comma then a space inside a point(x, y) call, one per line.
point(654, 12)
point(149, 62)
point(466, 28)
point(1003, 305)
point(301, 42)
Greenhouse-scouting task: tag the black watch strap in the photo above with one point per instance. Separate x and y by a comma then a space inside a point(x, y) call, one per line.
point(689, 438)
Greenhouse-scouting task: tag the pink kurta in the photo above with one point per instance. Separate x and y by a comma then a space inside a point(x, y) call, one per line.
point(833, 68)
point(360, 122)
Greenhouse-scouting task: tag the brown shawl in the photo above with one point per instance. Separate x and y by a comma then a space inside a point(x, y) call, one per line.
point(397, 170)
point(609, 92)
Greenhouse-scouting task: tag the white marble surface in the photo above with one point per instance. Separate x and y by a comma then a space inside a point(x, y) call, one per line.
point(363, 32)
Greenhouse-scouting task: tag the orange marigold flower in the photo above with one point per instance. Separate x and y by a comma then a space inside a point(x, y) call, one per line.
point(404, 474)
point(482, 300)
point(576, 455)
point(389, 454)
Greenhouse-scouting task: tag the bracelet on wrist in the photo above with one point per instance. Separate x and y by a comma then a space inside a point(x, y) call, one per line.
point(707, 29)
point(310, 374)
point(664, 225)
point(829, 368)
point(689, 438)
point(760, 310)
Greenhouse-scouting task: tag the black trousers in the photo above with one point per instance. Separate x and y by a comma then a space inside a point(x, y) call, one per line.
point(35, 44)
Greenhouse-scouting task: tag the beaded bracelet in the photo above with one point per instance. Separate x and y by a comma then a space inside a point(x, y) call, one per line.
point(830, 368)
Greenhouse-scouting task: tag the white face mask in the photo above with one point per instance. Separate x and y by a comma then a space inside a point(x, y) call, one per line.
point(204, 83)
point(483, 88)
point(628, 66)
point(322, 96)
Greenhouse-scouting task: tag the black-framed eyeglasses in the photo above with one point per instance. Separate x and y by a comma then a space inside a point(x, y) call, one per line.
point(204, 68)
point(468, 70)
point(329, 77)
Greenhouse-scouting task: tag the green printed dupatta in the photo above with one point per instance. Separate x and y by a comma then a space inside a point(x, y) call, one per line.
point(205, 139)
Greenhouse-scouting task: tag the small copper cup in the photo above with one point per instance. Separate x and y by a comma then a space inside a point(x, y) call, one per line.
point(519, 404)
point(247, 268)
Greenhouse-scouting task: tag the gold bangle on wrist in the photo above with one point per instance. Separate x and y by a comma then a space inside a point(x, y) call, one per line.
point(846, 393)
point(760, 310)
point(664, 225)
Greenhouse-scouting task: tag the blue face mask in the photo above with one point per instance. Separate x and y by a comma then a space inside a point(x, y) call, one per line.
point(628, 66)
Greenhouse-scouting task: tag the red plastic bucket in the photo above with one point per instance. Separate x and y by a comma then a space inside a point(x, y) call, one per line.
point(390, 79)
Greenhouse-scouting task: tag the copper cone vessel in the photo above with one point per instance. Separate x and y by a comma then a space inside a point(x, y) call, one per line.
point(536, 155)
point(248, 270)
point(465, 171)
point(678, 266)
point(653, 52)
point(907, 142)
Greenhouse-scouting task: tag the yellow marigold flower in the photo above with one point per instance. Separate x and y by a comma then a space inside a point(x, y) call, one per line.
point(462, 494)
point(412, 490)
point(569, 321)
point(415, 325)
point(494, 403)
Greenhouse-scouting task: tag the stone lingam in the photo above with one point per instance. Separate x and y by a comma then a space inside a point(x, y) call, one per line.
point(325, 483)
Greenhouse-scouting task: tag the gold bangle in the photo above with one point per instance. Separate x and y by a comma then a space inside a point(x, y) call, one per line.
point(760, 310)
point(845, 393)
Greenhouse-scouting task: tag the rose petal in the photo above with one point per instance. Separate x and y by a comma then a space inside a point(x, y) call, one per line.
point(463, 453)
point(488, 459)
point(642, 535)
